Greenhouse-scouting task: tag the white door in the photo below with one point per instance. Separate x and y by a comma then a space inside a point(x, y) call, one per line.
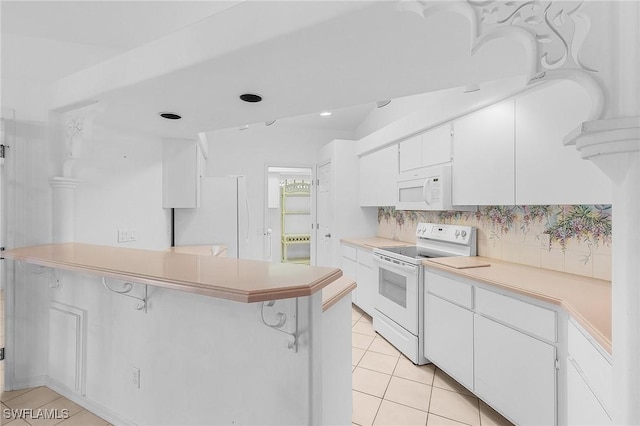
point(324, 242)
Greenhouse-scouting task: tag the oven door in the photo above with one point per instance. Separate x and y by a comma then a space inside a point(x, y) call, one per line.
point(397, 295)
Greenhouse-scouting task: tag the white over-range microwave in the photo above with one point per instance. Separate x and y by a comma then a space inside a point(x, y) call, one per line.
point(431, 189)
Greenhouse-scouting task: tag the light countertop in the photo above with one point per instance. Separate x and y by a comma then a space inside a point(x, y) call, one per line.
point(226, 278)
point(375, 242)
point(586, 299)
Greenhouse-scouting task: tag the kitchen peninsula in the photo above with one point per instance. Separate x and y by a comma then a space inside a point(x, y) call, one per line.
point(213, 340)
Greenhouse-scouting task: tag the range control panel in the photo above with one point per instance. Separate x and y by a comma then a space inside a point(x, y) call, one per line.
point(452, 233)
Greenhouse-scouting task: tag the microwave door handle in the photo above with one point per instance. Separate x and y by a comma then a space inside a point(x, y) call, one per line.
point(426, 189)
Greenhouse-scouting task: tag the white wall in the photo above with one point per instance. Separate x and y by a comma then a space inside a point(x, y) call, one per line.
point(247, 152)
point(121, 188)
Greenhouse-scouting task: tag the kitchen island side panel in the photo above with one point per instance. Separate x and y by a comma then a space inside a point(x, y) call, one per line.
point(202, 360)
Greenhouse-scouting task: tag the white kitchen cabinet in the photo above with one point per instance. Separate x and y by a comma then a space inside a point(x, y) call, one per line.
point(367, 273)
point(593, 368)
point(358, 264)
point(448, 338)
point(378, 177)
point(483, 156)
point(515, 373)
point(181, 170)
point(424, 150)
point(547, 172)
point(583, 408)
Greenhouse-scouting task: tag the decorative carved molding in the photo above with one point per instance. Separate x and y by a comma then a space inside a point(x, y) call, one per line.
point(552, 34)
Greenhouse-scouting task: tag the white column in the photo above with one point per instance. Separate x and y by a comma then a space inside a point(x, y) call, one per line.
point(63, 202)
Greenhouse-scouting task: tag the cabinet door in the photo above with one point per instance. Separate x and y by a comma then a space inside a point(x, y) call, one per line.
point(180, 174)
point(436, 146)
point(378, 177)
point(483, 157)
point(367, 281)
point(514, 373)
point(583, 408)
point(448, 334)
point(349, 268)
point(547, 172)
point(411, 154)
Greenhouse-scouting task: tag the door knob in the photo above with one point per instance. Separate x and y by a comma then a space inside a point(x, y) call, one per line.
point(327, 235)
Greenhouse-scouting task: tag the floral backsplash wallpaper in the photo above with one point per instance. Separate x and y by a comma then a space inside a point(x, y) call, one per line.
point(574, 239)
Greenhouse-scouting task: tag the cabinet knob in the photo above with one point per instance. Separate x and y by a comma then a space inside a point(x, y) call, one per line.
point(327, 235)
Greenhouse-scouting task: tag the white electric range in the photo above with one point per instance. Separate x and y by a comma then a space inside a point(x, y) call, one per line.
point(399, 302)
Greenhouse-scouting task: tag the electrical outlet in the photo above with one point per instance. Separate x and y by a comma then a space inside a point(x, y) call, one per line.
point(127, 235)
point(135, 377)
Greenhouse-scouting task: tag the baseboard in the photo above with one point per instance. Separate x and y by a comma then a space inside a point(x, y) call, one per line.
point(88, 404)
point(29, 382)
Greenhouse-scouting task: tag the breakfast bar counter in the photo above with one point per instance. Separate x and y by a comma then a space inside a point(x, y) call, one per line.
point(207, 340)
point(234, 279)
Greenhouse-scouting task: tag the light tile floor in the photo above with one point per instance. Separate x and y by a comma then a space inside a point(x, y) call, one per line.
point(43, 407)
point(388, 389)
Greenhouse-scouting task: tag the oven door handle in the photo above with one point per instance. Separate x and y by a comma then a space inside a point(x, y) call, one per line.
point(391, 264)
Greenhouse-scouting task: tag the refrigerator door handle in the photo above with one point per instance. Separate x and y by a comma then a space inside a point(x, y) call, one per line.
point(246, 201)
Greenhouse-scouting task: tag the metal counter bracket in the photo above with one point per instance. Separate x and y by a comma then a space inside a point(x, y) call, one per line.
point(282, 319)
point(127, 287)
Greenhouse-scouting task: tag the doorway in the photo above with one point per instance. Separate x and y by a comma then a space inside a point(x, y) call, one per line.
point(290, 215)
point(7, 132)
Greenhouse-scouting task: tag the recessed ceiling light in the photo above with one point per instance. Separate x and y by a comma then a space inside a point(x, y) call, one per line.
point(170, 115)
point(245, 127)
point(251, 97)
point(384, 103)
point(470, 88)
point(269, 123)
point(325, 114)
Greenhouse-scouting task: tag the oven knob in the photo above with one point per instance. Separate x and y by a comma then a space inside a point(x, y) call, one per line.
point(457, 233)
point(464, 234)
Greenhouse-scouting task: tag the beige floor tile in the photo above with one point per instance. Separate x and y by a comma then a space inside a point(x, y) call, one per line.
point(16, 422)
point(366, 318)
point(444, 381)
point(361, 341)
point(355, 313)
point(369, 381)
point(435, 420)
point(7, 395)
point(407, 392)
point(418, 373)
point(363, 328)
point(84, 418)
point(455, 406)
point(356, 355)
point(35, 398)
point(365, 408)
point(64, 408)
point(393, 414)
point(381, 346)
point(490, 417)
point(378, 362)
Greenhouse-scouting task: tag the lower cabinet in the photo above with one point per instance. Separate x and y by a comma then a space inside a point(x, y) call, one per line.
point(515, 373)
point(589, 380)
point(358, 264)
point(450, 346)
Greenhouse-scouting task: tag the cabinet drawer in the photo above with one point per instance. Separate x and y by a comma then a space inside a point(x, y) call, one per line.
point(592, 365)
point(350, 252)
point(449, 289)
point(533, 319)
point(365, 257)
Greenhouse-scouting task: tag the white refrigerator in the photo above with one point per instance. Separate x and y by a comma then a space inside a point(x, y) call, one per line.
point(221, 219)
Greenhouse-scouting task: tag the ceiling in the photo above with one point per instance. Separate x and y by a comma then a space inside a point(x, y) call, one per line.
point(302, 57)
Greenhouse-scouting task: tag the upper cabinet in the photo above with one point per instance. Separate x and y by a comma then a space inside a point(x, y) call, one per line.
point(547, 172)
point(181, 166)
point(483, 156)
point(424, 150)
point(378, 177)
